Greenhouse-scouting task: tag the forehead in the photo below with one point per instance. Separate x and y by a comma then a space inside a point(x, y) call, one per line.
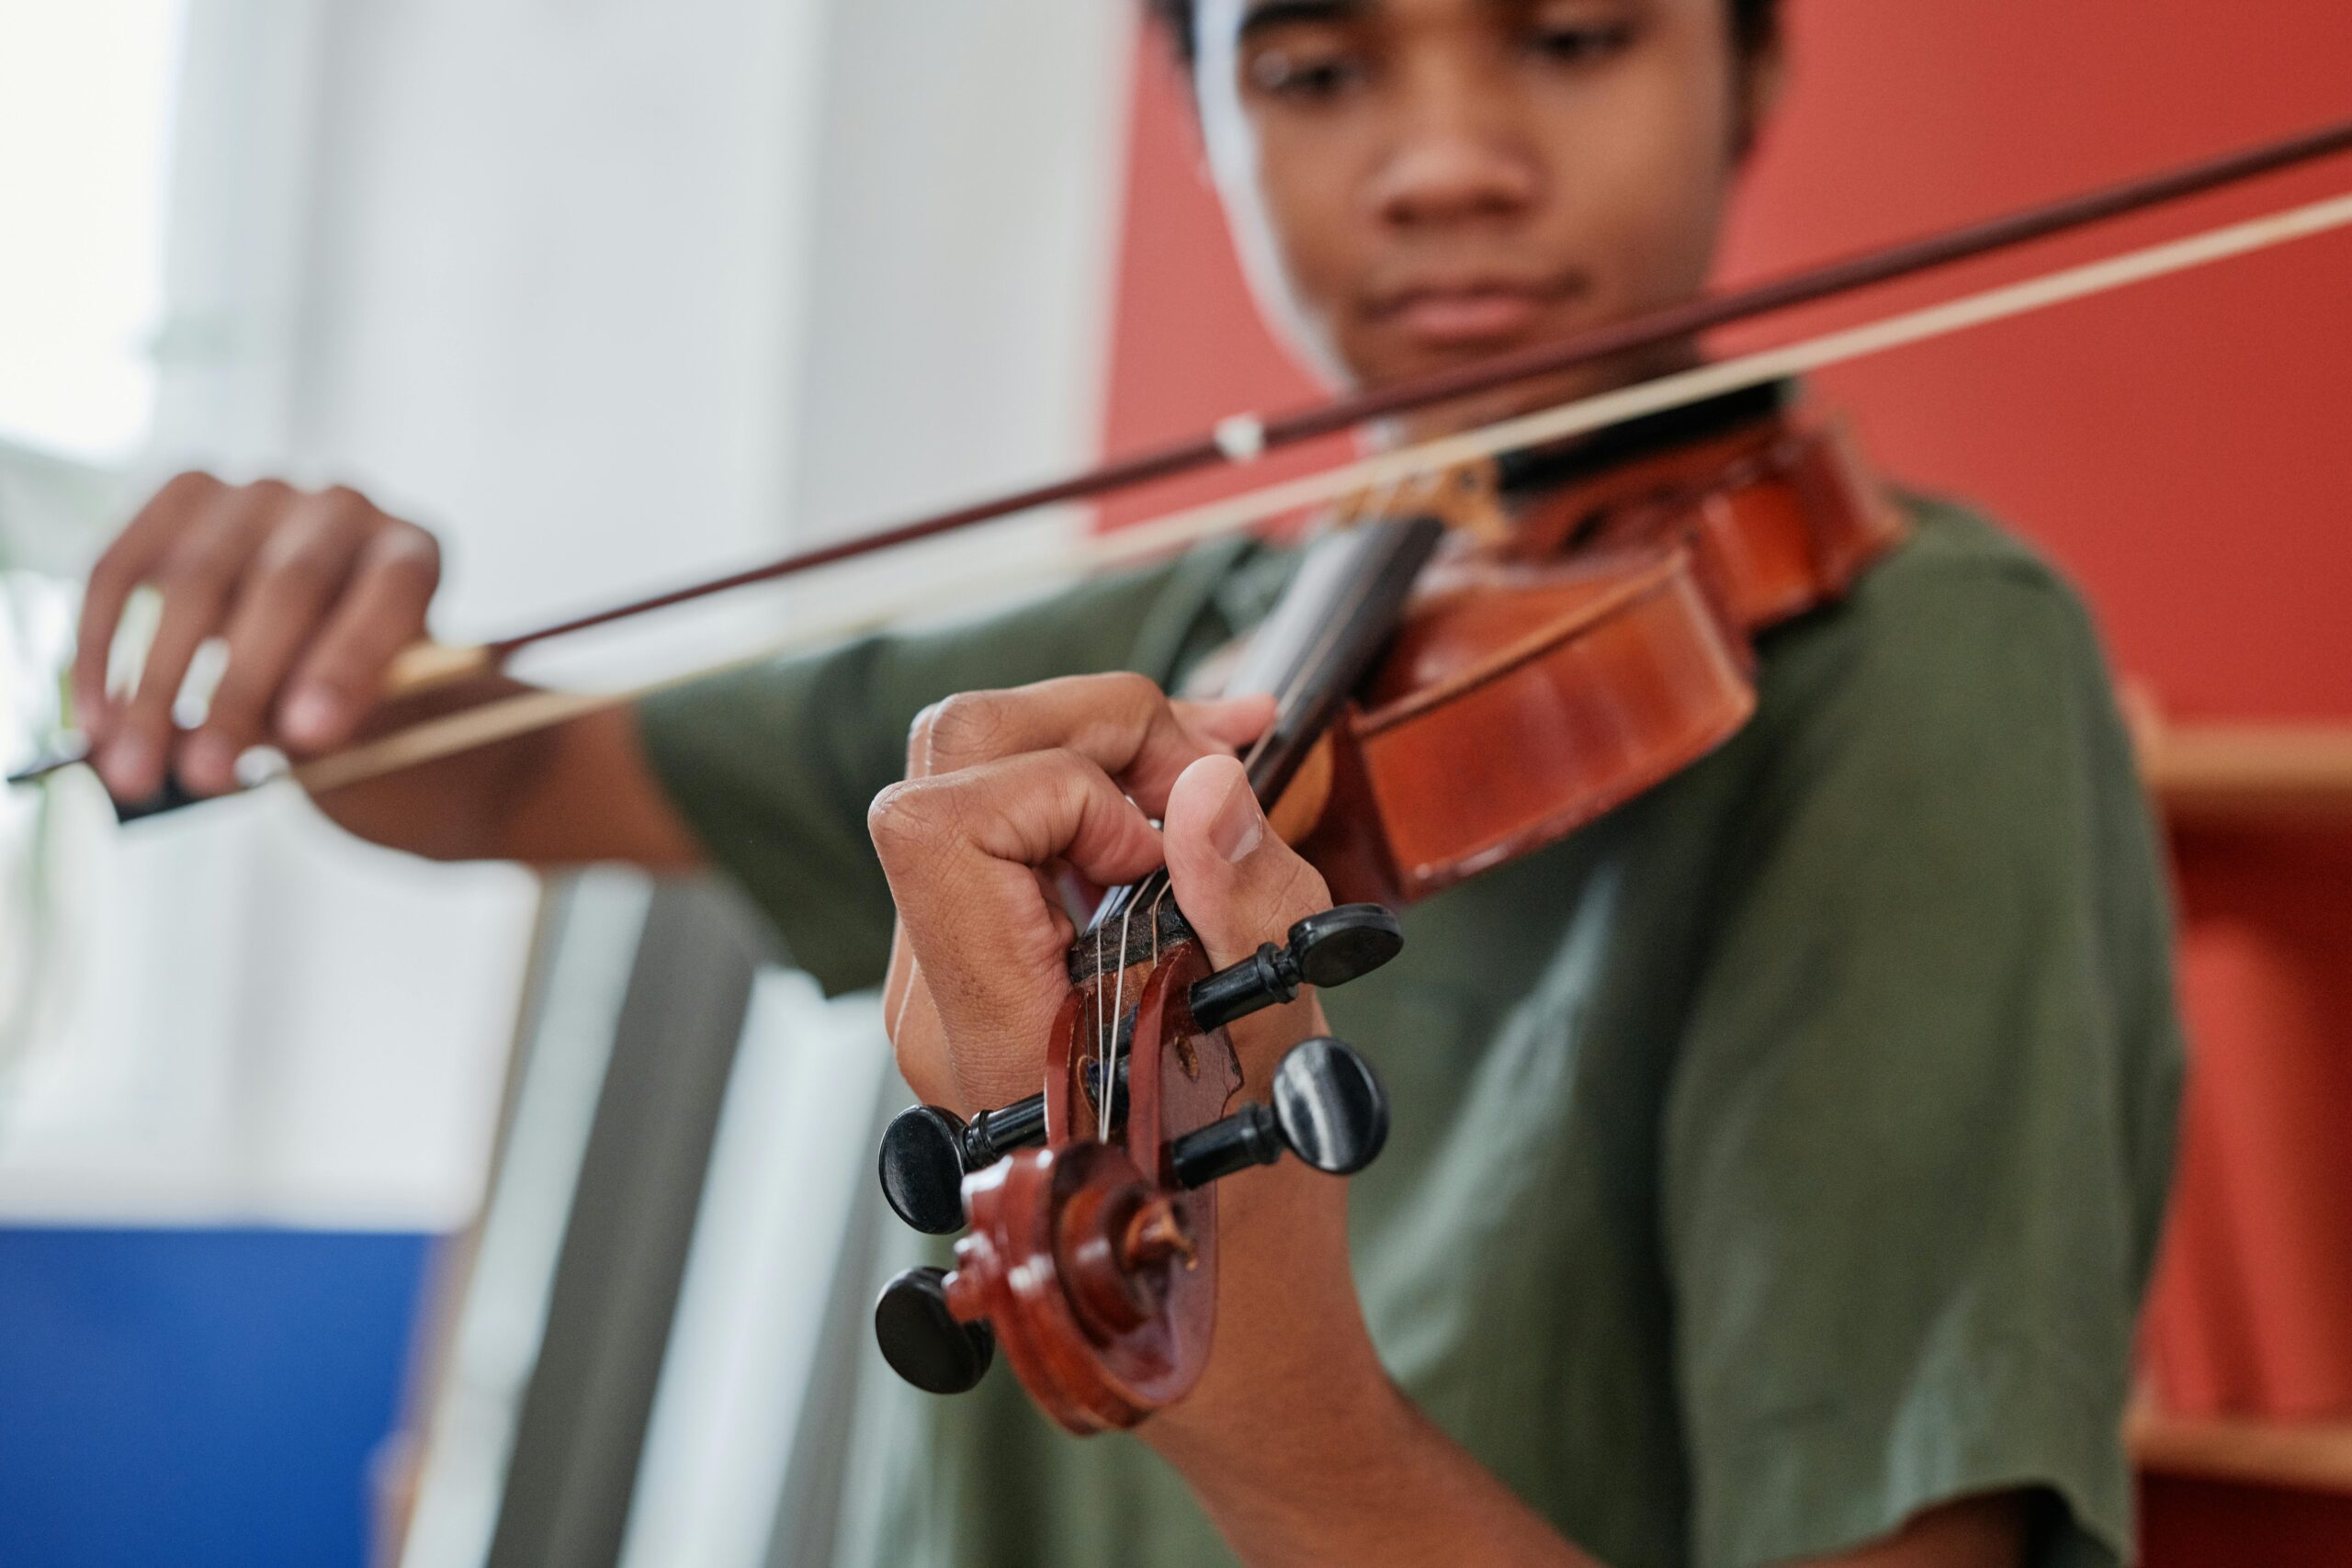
point(1220, 20)
point(1251, 15)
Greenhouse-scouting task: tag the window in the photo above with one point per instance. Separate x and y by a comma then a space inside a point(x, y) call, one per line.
point(85, 108)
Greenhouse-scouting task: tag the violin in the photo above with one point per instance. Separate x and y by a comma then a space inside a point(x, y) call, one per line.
point(1454, 690)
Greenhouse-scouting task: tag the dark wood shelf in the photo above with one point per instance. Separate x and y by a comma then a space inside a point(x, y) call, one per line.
point(2311, 1456)
point(2250, 775)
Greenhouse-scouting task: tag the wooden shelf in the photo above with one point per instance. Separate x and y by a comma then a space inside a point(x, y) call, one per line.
point(2314, 1456)
point(2249, 774)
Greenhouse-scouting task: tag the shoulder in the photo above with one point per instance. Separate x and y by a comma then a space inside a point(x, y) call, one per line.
point(1962, 633)
point(1960, 586)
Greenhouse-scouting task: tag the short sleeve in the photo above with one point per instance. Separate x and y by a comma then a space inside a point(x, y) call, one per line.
point(773, 765)
point(1918, 1142)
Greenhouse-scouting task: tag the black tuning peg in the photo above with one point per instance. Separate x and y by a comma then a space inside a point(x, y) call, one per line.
point(1328, 949)
point(927, 1150)
point(922, 1339)
point(1328, 1109)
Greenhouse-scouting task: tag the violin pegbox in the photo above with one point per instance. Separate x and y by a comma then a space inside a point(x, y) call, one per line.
point(1091, 1261)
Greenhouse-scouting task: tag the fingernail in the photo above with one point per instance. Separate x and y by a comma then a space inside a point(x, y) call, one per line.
point(1239, 825)
point(310, 716)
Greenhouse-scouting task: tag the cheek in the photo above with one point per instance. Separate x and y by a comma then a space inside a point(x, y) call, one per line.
point(1310, 220)
point(1646, 173)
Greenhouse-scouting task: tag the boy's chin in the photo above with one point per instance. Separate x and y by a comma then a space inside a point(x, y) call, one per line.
point(1509, 402)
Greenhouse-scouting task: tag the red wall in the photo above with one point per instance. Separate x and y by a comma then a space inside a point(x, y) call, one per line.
point(2184, 449)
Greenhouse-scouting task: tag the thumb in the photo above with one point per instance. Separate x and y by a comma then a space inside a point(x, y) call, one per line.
point(1233, 877)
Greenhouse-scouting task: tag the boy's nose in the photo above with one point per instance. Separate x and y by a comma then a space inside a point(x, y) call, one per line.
point(1455, 158)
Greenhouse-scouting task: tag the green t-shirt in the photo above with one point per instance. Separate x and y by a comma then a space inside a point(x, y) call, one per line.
point(1777, 1157)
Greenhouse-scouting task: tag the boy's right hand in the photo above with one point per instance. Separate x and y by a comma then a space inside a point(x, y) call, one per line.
point(313, 593)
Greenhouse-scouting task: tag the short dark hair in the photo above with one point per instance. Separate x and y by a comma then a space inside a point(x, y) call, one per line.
point(1755, 23)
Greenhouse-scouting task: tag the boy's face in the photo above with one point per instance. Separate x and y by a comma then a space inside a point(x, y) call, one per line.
point(1417, 184)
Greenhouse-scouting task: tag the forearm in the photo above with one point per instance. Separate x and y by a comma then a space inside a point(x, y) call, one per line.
point(1296, 1442)
point(452, 808)
point(568, 795)
point(1368, 1480)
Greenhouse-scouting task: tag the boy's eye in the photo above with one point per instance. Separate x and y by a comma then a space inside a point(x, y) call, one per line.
point(1304, 74)
point(1577, 43)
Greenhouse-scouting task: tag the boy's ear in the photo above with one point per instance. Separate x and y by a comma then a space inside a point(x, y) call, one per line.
point(1763, 77)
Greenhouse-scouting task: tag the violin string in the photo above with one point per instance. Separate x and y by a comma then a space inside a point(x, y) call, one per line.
point(506, 718)
point(1110, 1086)
point(1101, 1049)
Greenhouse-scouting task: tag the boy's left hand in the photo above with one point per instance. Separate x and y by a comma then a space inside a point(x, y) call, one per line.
point(1005, 789)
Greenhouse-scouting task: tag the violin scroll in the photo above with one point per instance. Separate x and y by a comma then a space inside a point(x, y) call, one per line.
point(1076, 1238)
point(928, 1150)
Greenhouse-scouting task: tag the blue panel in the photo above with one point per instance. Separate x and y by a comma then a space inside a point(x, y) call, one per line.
point(196, 1397)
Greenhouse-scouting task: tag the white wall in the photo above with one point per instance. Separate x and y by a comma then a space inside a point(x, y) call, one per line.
point(609, 294)
point(956, 340)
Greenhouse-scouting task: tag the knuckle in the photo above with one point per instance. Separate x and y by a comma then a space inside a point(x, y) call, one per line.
point(149, 708)
point(193, 573)
point(306, 575)
point(1132, 690)
point(421, 543)
point(412, 555)
point(904, 814)
point(111, 578)
point(1074, 769)
point(235, 709)
point(190, 484)
point(965, 726)
point(919, 742)
point(334, 675)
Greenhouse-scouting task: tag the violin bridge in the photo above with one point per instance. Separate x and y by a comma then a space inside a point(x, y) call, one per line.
point(1466, 497)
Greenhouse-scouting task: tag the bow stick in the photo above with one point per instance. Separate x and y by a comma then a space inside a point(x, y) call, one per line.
point(1243, 438)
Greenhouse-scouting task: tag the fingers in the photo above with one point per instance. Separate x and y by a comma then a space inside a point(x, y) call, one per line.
point(342, 675)
point(1234, 879)
point(961, 850)
point(197, 574)
point(296, 575)
point(1232, 722)
point(127, 563)
point(311, 596)
point(1123, 723)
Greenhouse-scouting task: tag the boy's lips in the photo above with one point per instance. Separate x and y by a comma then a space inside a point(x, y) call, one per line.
point(1469, 311)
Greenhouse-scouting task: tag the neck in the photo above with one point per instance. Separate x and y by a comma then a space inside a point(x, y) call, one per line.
point(1529, 397)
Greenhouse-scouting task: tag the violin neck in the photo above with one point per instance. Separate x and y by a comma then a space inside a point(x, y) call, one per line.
point(1321, 641)
point(1326, 633)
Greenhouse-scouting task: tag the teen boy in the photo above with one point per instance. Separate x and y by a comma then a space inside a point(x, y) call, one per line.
point(1777, 1162)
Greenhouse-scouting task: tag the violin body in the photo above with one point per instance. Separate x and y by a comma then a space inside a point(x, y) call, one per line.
point(1539, 680)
